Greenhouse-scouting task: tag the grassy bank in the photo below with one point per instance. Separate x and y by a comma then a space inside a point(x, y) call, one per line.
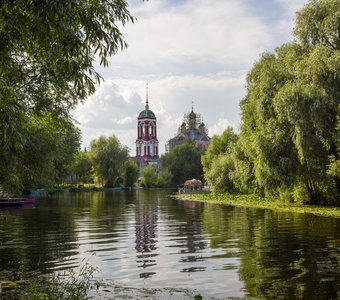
point(261, 202)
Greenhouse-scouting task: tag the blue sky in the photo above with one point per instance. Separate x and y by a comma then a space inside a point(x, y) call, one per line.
point(186, 50)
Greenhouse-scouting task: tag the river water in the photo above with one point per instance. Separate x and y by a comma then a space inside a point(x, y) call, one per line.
point(149, 240)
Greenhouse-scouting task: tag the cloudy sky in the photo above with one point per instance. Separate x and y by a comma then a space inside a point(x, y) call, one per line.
point(187, 51)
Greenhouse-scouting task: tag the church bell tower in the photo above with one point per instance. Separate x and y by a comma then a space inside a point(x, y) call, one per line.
point(147, 142)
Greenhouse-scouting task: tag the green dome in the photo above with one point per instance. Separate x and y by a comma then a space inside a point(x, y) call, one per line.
point(146, 113)
point(192, 115)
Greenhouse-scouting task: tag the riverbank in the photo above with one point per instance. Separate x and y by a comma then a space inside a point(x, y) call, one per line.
point(265, 203)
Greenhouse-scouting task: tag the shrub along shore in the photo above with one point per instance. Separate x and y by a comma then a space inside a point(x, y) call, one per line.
point(263, 202)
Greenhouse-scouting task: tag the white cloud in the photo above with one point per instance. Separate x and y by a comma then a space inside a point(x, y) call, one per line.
point(197, 37)
point(127, 120)
point(221, 125)
point(194, 50)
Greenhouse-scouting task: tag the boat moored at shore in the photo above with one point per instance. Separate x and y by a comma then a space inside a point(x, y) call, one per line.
point(16, 201)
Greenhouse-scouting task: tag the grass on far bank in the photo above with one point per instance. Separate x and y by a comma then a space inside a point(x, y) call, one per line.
point(263, 202)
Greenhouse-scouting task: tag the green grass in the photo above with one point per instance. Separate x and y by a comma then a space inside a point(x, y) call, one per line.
point(263, 202)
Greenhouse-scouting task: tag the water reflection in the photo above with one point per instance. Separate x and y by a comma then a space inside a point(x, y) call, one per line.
point(147, 238)
point(37, 239)
point(280, 253)
point(146, 234)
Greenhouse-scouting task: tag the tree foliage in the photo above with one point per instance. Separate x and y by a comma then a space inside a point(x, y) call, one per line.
point(149, 177)
point(318, 24)
point(289, 139)
point(82, 166)
point(217, 176)
point(218, 145)
point(108, 157)
point(164, 178)
point(47, 55)
point(216, 162)
point(289, 115)
point(183, 162)
point(46, 156)
point(48, 48)
point(268, 136)
point(131, 173)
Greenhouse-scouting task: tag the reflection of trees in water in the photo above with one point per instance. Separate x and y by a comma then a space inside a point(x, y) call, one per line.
point(46, 238)
point(282, 255)
point(194, 241)
point(192, 214)
point(288, 257)
point(38, 239)
point(192, 208)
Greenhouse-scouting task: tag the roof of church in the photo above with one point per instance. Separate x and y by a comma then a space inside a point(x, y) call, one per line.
point(192, 115)
point(146, 113)
point(193, 135)
point(192, 128)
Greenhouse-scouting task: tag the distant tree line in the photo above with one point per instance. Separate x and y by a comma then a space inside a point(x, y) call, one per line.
point(108, 162)
point(289, 139)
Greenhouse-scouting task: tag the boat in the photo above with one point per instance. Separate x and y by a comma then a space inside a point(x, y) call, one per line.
point(16, 201)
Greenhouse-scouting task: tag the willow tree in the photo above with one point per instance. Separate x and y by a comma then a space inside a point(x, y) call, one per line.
point(291, 108)
point(317, 29)
point(269, 143)
point(49, 148)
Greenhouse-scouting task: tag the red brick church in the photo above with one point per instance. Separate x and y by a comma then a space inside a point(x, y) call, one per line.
point(147, 143)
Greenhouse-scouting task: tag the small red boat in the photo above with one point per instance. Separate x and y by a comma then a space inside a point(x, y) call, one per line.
point(16, 201)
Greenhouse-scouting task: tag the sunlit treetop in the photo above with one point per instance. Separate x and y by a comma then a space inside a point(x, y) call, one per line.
point(318, 23)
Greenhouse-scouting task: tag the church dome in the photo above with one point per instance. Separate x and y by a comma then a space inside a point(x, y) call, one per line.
point(192, 115)
point(146, 113)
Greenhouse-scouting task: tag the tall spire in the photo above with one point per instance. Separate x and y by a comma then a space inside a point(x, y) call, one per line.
point(192, 106)
point(147, 98)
